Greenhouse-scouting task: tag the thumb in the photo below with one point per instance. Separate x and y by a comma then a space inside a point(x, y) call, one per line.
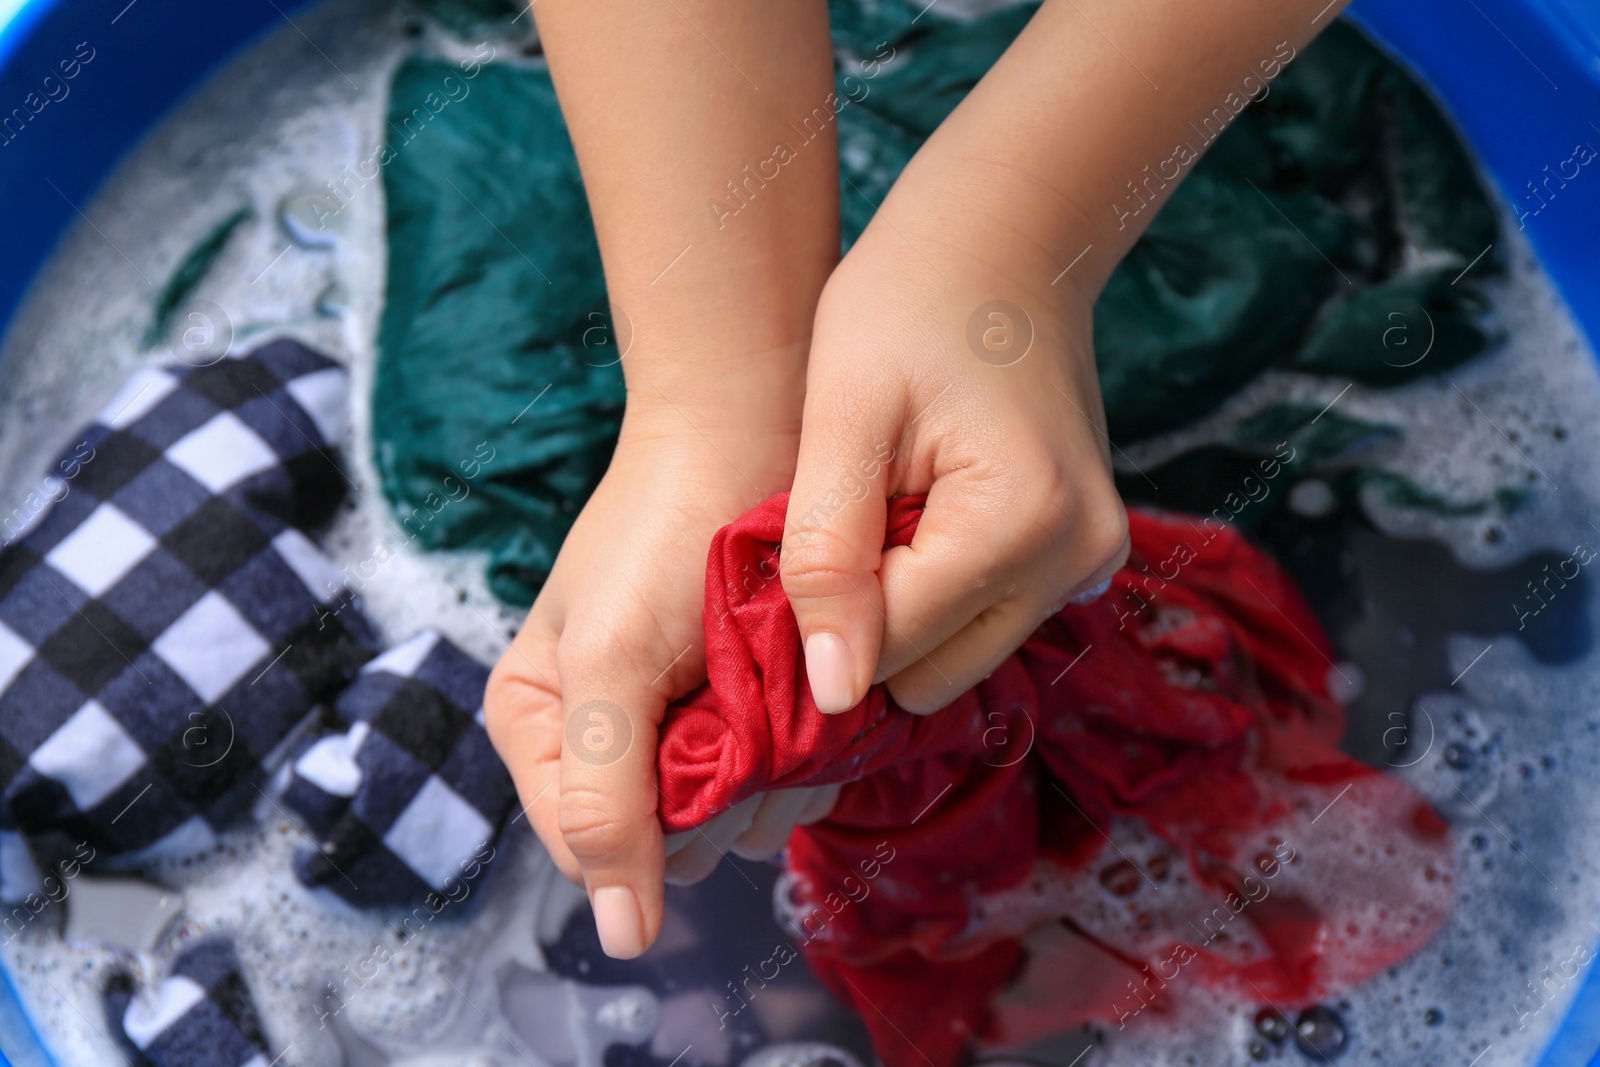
point(832, 546)
point(608, 800)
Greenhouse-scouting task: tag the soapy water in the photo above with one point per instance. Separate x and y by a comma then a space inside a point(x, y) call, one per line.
point(1477, 689)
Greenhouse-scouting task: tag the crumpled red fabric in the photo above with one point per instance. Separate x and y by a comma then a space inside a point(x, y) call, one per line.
point(1144, 801)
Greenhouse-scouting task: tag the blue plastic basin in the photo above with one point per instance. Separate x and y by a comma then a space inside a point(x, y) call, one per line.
point(1521, 77)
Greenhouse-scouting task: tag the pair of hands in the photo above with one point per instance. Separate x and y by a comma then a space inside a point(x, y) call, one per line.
point(950, 353)
point(915, 381)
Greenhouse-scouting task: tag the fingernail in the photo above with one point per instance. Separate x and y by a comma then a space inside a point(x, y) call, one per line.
point(621, 926)
point(829, 670)
point(1089, 596)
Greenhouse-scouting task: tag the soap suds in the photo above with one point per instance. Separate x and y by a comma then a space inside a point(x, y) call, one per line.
point(282, 121)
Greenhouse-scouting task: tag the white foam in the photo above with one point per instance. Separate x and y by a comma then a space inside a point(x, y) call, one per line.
point(284, 118)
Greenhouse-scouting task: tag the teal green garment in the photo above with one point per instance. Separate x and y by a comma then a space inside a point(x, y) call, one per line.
point(495, 326)
point(473, 18)
point(1288, 246)
point(1247, 481)
point(186, 276)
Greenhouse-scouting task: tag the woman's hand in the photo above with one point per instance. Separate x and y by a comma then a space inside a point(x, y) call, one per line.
point(942, 364)
point(952, 348)
point(574, 704)
point(670, 127)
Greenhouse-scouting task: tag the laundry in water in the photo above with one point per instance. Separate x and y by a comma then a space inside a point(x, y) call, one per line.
point(1186, 712)
point(201, 1014)
point(170, 635)
point(1340, 147)
point(407, 802)
point(161, 624)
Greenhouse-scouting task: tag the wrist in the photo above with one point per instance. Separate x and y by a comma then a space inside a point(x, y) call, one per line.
point(973, 217)
point(751, 397)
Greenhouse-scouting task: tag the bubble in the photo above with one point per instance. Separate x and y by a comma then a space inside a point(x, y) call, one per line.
point(311, 220)
point(1120, 878)
point(1346, 682)
point(1271, 1024)
point(1433, 1016)
point(1312, 498)
point(1319, 1033)
point(633, 1013)
point(333, 301)
point(1000, 333)
point(1458, 756)
point(1093, 593)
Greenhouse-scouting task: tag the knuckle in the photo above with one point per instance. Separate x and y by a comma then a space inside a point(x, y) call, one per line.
point(509, 699)
point(1045, 522)
point(1103, 533)
point(691, 866)
point(819, 563)
point(498, 704)
point(917, 693)
point(580, 650)
point(933, 682)
point(614, 651)
point(1080, 521)
point(591, 826)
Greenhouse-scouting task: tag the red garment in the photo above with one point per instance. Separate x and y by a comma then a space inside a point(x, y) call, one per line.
point(1146, 770)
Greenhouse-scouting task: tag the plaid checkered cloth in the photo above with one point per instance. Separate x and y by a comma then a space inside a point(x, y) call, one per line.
point(409, 801)
point(202, 1016)
point(163, 623)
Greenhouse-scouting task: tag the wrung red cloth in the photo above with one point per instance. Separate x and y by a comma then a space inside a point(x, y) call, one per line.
point(1145, 798)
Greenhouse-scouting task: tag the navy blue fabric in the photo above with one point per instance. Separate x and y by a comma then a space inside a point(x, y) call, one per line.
point(220, 1028)
point(432, 795)
point(167, 627)
point(161, 629)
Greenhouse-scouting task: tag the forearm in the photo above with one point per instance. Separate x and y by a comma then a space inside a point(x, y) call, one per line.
point(715, 252)
point(1087, 124)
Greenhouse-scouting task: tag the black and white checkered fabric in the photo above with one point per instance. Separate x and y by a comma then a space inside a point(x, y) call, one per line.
point(406, 801)
point(202, 1015)
point(162, 623)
